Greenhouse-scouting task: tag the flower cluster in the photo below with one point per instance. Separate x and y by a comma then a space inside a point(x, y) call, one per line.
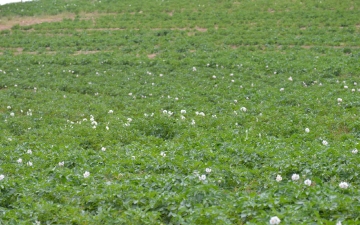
point(93, 122)
point(127, 124)
point(168, 113)
point(308, 182)
point(200, 113)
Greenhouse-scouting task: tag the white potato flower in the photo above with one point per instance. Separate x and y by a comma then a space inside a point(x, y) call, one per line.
point(243, 109)
point(307, 182)
point(343, 185)
point(295, 177)
point(275, 220)
point(202, 177)
point(86, 174)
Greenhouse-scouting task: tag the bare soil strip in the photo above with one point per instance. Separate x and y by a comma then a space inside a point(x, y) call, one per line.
point(6, 23)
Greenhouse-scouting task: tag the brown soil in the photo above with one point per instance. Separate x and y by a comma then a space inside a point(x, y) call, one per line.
point(8, 23)
point(151, 56)
point(171, 13)
point(86, 52)
point(200, 29)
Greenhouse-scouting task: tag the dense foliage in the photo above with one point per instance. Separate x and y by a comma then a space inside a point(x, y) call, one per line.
point(180, 112)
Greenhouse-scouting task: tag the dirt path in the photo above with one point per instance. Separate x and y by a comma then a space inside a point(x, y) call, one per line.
point(6, 23)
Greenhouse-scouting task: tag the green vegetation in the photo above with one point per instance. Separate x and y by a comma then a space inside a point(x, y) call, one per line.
point(126, 105)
